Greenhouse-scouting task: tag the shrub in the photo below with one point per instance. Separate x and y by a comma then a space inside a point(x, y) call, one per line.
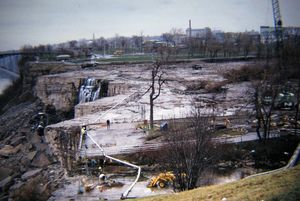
point(246, 73)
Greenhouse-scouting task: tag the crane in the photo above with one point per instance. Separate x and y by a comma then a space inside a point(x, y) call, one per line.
point(278, 29)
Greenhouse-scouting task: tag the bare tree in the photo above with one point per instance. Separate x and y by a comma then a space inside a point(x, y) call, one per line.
point(155, 87)
point(264, 100)
point(189, 150)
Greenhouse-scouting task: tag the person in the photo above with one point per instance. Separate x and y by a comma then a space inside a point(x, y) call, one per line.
point(108, 124)
point(40, 130)
point(83, 132)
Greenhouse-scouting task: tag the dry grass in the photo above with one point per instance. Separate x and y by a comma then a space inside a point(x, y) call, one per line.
point(283, 185)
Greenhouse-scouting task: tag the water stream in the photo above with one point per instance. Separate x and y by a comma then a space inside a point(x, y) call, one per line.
point(89, 90)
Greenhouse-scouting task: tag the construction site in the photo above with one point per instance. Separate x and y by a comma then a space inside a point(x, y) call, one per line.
point(108, 150)
point(152, 123)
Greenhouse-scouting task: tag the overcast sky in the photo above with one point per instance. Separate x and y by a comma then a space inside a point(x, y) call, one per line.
point(52, 21)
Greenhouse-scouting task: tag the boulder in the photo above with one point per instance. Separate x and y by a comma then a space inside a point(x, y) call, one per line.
point(4, 172)
point(16, 188)
point(10, 150)
point(30, 174)
point(41, 147)
point(41, 161)
point(17, 140)
point(6, 183)
point(31, 155)
point(35, 139)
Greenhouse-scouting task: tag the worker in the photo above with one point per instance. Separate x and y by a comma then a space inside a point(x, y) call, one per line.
point(107, 124)
point(83, 130)
point(40, 131)
point(84, 133)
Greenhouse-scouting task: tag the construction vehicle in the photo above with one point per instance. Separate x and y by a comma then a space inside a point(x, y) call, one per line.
point(162, 180)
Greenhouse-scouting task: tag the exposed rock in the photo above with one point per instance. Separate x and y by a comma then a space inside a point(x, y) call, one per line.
point(96, 106)
point(4, 172)
point(58, 91)
point(17, 119)
point(16, 188)
point(41, 147)
point(17, 140)
point(41, 161)
point(10, 150)
point(61, 140)
point(30, 174)
point(31, 155)
point(6, 183)
point(35, 139)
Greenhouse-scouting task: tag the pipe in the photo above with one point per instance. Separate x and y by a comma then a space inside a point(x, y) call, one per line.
point(80, 143)
point(125, 194)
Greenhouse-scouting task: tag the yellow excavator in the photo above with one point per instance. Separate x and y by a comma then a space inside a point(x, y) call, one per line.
point(162, 180)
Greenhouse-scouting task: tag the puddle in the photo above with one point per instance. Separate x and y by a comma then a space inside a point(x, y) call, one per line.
point(70, 191)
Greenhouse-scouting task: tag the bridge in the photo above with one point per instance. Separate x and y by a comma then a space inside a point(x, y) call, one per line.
point(9, 68)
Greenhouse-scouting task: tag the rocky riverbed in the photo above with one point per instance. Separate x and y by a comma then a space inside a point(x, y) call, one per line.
point(37, 166)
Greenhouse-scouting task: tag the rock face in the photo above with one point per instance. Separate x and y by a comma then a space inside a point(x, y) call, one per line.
point(58, 91)
point(35, 70)
point(62, 91)
point(116, 88)
point(63, 142)
point(97, 106)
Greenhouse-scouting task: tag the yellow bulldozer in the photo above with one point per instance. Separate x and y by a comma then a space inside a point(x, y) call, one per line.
point(162, 180)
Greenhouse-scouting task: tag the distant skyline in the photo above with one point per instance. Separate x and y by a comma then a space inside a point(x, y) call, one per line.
point(44, 22)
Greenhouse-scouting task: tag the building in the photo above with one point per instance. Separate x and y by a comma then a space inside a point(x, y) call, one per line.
point(197, 33)
point(267, 34)
point(202, 33)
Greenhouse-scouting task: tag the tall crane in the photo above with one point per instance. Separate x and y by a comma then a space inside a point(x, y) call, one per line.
point(276, 14)
point(278, 29)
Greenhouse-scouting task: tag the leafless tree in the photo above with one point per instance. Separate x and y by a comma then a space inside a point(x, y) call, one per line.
point(264, 100)
point(189, 150)
point(155, 87)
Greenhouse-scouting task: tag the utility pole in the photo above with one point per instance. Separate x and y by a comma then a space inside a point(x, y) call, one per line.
point(141, 47)
point(190, 39)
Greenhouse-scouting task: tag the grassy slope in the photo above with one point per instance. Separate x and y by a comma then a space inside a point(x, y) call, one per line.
point(283, 185)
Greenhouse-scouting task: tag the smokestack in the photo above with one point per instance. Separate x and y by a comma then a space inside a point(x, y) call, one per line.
point(190, 28)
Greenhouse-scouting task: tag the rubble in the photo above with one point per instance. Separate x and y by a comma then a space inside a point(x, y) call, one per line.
point(30, 174)
point(21, 150)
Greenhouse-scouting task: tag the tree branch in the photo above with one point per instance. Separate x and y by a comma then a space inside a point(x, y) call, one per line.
point(160, 83)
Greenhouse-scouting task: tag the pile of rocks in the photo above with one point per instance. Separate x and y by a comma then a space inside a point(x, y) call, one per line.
point(27, 165)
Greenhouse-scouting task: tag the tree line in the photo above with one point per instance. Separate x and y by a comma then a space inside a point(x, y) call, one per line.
point(207, 45)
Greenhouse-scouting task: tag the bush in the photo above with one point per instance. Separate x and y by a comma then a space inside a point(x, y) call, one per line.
point(209, 86)
point(246, 73)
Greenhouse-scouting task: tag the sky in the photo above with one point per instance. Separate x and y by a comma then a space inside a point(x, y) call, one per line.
point(34, 22)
